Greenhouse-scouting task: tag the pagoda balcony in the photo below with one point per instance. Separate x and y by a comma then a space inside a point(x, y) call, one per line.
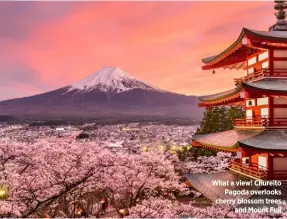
point(260, 122)
point(261, 74)
point(257, 171)
point(254, 76)
point(252, 170)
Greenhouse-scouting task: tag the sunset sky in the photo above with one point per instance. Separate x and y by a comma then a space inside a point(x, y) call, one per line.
point(48, 45)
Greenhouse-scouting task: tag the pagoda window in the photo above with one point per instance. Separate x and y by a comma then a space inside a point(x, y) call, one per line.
point(280, 53)
point(263, 56)
point(280, 65)
point(250, 103)
point(249, 114)
point(265, 65)
point(252, 61)
point(264, 112)
point(245, 160)
point(262, 162)
point(262, 101)
point(250, 70)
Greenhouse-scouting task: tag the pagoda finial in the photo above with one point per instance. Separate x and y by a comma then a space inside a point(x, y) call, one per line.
point(281, 24)
point(280, 6)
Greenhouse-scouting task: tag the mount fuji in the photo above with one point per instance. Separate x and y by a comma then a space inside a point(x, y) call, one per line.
point(111, 79)
point(110, 92)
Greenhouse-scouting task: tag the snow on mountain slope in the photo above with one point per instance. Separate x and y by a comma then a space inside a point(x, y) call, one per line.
point(111, 79)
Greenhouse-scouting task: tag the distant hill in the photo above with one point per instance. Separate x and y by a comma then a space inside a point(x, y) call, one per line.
point(7, 118)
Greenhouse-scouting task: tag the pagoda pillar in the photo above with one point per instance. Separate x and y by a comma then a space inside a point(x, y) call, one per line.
point(271, 110)
point(271, 61)
point(270, 167)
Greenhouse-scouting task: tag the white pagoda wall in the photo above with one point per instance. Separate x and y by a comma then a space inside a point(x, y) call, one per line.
point(258, 62)
point(258, 107)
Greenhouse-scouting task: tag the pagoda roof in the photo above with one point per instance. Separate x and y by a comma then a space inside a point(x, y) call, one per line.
point(268, 84)
point(221, 95)
point(275, 36)
point(264, 139)
point(225, 140)
point(238, 51)
point(268, 140)
point(218, 96)
point(202, 182)
point(275, 86)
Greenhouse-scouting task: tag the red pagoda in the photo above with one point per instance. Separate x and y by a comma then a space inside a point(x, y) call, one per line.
point(260, 139)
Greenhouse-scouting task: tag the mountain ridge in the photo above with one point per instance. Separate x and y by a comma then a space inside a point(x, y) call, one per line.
point(110, 91)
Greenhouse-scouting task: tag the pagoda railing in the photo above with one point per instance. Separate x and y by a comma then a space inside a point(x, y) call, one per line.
point(254, 76)
point(261, 74)
point(258, 171)
point(260, 122)
point(249, 169)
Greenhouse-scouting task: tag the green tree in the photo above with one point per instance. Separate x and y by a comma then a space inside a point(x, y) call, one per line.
point(217, 119)
point(234, 113)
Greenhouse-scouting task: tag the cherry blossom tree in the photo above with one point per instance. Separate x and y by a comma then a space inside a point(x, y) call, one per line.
point(158, 208)
point(56, 177)
point(39, 175)
point(56, 174)
point(133, 178)
point(163, 208)
point(210, 164)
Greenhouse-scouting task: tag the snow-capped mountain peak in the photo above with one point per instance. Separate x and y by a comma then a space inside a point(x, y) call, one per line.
point(111, 79)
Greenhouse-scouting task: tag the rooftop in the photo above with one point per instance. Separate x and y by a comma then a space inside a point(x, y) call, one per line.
point(225, 139)
point(268, 139)
point(268, 84)
point(218, 96)
point(203, 183)
point(278, 86)
point(242, 47)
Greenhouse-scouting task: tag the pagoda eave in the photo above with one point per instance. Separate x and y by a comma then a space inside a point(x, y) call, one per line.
point(237, 64)
point(216, 148)
point(255, 91)
point(264, 87)
point(248, 43)
point(271, 140)
point(223, 141)
point(224, 98)
point(236, 101)
point(234, 59)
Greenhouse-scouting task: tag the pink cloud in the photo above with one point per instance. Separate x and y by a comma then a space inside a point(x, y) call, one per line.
point(159, 42)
